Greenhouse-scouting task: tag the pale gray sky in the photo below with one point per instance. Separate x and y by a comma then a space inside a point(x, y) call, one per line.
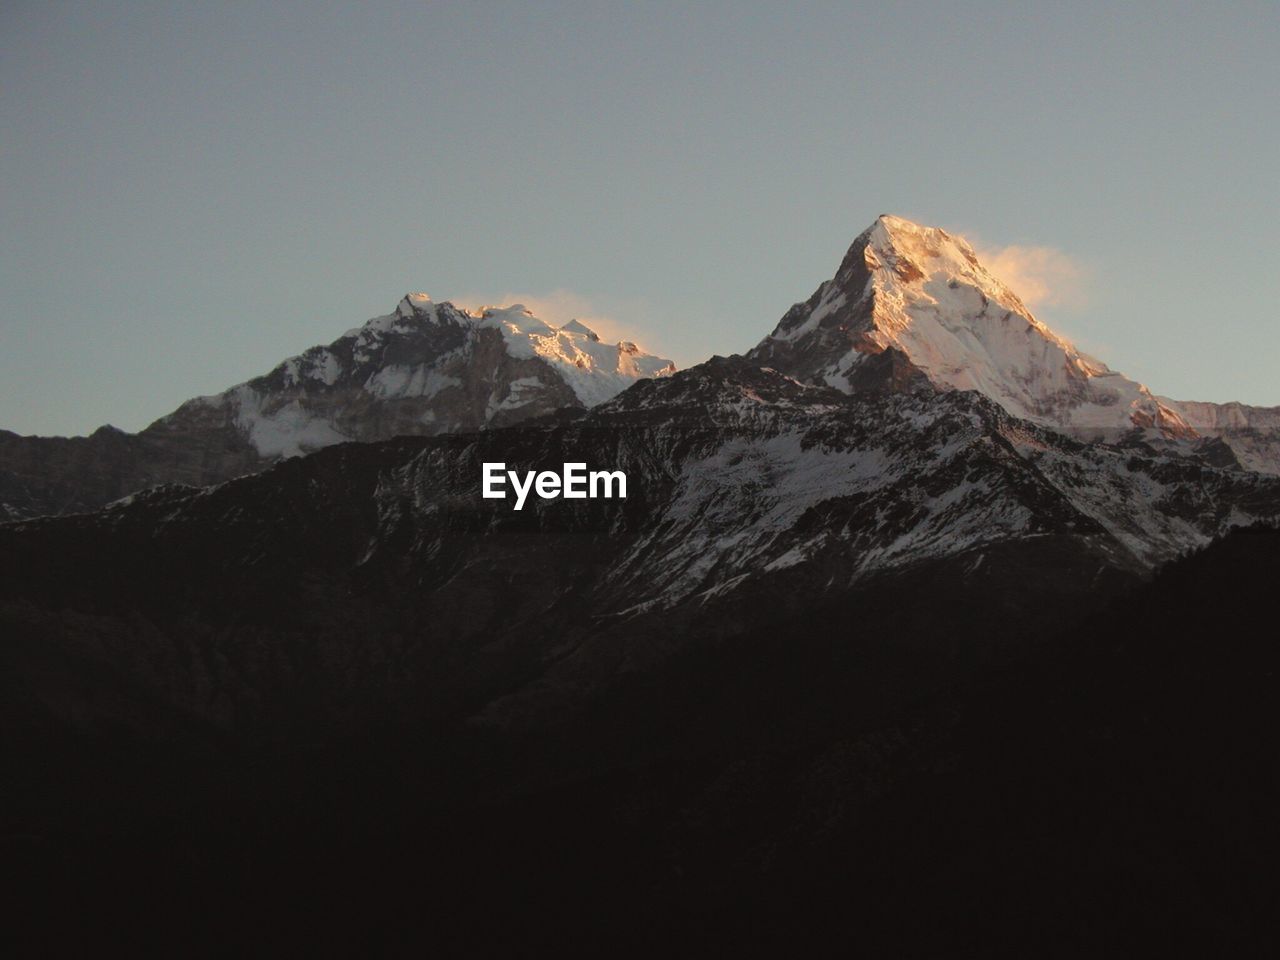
point(191, 192)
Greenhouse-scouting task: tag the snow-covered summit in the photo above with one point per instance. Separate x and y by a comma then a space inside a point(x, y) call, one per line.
point(414, 303)
point(912, 305)
point(594, 370)
point(577, 326)
point(424, 368)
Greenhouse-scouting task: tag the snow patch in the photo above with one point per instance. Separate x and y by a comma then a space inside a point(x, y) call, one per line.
point(286, 431)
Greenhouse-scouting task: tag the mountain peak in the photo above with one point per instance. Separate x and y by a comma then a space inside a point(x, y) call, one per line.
point(890, 234)
point(913, 305)
point(425, 368)
point(580, 328)
point(916, 252)
point(414, 303)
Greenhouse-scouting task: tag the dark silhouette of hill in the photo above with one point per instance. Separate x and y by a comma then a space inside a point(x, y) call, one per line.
point(893, 772)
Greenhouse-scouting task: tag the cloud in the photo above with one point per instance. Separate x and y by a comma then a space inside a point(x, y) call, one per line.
point(1040, 276)
point(557, 307)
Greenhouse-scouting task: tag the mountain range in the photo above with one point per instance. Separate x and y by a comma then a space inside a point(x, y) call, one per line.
point(909, 307)
point(910, 612)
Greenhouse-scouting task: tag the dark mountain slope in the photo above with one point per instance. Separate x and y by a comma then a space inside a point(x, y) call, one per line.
point(838, 663)
point(1108, 791)
point(372, 583)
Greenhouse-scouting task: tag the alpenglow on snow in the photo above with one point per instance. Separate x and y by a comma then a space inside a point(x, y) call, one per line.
point(913, 306)
point(430, 368)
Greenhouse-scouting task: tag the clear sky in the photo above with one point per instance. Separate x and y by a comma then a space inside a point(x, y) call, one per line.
point(190, 193)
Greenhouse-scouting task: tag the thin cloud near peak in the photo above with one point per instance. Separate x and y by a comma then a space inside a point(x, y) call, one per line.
point(1041, 276)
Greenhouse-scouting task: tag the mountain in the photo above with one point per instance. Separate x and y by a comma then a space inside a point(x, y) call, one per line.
point(859, 646)
point(906, 419)
point(822, 781)
point(913, 306)
point(423, 369)
point(747, 491)
point(819, 624)
point(910, 307)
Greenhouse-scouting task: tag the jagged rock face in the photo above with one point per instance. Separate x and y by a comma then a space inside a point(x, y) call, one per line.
point(748, 492)
point(424, 369)
point(912, 307)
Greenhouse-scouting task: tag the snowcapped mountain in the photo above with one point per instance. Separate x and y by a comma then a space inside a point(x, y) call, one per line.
point(423, 369)
point(912, 305)
point(910, 308)
point(857, 578)
point(838, 567)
